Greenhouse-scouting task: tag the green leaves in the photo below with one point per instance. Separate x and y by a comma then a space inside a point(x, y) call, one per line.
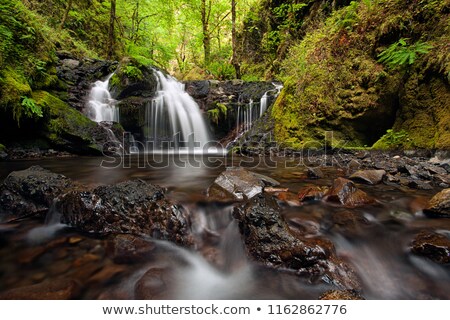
point(30, 108)
point(400, 54)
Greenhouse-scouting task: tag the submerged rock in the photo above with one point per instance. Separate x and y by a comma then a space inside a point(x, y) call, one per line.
point(315, 173)
point(345, 192)
point(434, 246)
point(134, 207)
point(126, 248)
point(55, 289)
point(269, 240)
point(368, 176)
point(30, 192)
point(312, 193)
point(340, 295)
point(239, 184)
point(439, 205)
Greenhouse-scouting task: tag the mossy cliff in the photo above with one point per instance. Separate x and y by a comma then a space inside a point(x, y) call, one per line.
point(335, 82)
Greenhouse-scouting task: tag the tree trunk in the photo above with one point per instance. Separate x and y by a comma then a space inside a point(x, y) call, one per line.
point(206, 11)
point(234, 58)
point(66, 14)
point(111, 37)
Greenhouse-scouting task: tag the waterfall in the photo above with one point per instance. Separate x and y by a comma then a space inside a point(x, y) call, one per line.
point(173, 118)
point(101, 107)
point(247, 114)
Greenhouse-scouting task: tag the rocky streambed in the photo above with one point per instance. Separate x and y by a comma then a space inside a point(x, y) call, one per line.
point(357, 225)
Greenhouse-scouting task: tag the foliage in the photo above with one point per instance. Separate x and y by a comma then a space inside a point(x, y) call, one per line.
point(221, 70)
point(392, 140)
point(133, 73)
point(31, 109)
point(402, 54)
point(219, 111)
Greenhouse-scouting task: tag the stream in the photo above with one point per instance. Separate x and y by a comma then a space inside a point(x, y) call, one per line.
point(374, 240)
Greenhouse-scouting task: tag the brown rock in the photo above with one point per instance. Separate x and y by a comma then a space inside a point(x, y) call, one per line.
point(126, 248)
point(315, 173)
point(432, 245)
point(439, 205)
point(55, 289)
point(289, 197)
point(368, 176)
point(341, 295)
point(312, 193)
point(239, 184)
point(345, 192)
point(154, 284)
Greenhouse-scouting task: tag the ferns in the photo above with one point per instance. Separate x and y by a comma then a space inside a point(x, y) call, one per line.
point(401, 54)
point(30, 108)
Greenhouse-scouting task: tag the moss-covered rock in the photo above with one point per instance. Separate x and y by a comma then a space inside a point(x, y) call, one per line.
point(334, 81)
point(67, 129)
point(133, 79)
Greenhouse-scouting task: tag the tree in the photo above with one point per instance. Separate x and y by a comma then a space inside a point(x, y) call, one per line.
point(66, 14)
point(206, 14)
point(111, 37)
point(234, 58)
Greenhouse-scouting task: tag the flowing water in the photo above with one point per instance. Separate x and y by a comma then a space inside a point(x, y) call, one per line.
point(173, 118)
point(101, 106)
point(377, 249)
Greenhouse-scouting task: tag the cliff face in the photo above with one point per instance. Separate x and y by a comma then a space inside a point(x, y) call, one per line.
point(335, 79)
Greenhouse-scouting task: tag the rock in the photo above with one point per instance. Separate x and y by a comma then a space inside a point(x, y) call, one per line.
point(154, 284)
point(434, 246)
point(344, 191)
point(350, 222)
point(126, 248)
point(353, 165)
point(133, 80)
point(55, 289)
point(419, 185)
point(239, 184)
point(315, 173)
point(340, 295)
point(30, 192)
point(439, 205)
point(269, 240)
point(368, 176)
point(133, 207)
point(288, 197)
point(312, 193)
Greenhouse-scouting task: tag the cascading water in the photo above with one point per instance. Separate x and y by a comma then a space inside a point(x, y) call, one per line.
point(101, 106)
point(173, 119)
point(249, 113)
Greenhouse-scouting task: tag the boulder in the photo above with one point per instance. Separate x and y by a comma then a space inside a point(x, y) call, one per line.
point(439, 205)
point(434, 246)
point(269, 240)
point(340, 295)
point(315, 173)
point(312, 193)
point(368, 176)
point(127, 248)
point(237, 183)
point(133, 207)
point(345, 192)
point(30, 192)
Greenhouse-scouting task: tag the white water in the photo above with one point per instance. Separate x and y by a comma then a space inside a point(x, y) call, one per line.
point(101, 106)
point(249, 113)
point(173, 118)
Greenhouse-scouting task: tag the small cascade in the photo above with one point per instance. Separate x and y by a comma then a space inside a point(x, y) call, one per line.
point(173, 119)
point(248, 114)
point(101, 106)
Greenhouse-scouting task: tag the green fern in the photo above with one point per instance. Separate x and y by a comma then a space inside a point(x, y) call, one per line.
point(31, 109)
point(401, 54)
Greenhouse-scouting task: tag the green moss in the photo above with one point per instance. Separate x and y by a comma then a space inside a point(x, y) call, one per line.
point(2, 148)
point(62, 123)
point(333, 81)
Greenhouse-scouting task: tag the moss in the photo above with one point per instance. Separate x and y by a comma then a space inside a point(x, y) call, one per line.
point(333, 81)
point(2, 148)
point(13, 86)
point(65, 127)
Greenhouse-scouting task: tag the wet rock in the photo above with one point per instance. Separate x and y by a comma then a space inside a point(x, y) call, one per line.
point(154, 284)
point(419, 185)
point(312, 193)
point(126, 248)
point(439, 205)
point(30, 192)
point(368, 176)
point(269, 240)
point(350, 222)
point(239, 184)
point(434, 246)
point(315, 173)
point(340, 295)
point(345, 192)
point(133, 207)
point(353, 165)
point(289, 198)
point(55, 289)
